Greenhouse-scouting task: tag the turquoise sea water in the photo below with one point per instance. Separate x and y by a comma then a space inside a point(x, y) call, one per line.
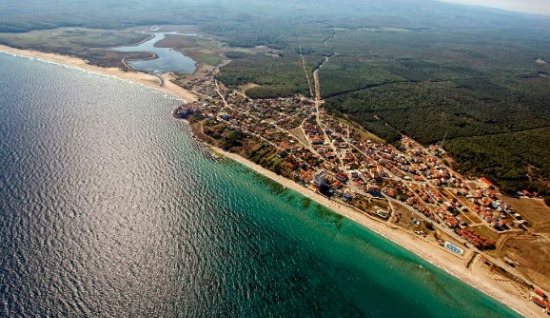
point(109, 208)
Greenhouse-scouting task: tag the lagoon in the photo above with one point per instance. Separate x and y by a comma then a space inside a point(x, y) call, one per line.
point(168, 60)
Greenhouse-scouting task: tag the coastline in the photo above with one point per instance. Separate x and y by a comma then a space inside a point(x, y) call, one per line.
point(417, 245)
point(431, 253)
point(139, 77)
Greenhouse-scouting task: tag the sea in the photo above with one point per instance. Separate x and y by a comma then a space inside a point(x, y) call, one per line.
point(109, 208)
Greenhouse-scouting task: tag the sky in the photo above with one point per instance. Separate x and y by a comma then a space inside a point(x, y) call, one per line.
point(529, 6)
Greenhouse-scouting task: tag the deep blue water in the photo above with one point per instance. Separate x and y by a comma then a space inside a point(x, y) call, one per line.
point(168, 60)
point(109, 208)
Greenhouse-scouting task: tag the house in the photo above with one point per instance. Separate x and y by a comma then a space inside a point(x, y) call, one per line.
point(486, 182)
point(342, 177)
point(321, 181)
point(373, 190)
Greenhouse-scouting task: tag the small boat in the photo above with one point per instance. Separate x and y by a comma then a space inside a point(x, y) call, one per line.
point(539, 302)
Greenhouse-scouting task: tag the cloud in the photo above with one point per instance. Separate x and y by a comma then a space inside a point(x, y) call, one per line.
point(528, 6)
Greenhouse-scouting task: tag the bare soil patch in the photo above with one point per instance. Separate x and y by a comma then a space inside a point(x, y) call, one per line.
point(532, 255)
point(534, 211)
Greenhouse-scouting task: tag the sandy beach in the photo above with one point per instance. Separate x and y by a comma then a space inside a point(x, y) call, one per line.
point(138, 77)
point(505, 292)
point(480, 278)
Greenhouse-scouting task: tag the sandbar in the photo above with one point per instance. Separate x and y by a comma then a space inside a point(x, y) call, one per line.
point(138, 77)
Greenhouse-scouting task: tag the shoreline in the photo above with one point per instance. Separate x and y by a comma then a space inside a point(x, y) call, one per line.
point(422, 248)
point(438, 257)
point(139, 77)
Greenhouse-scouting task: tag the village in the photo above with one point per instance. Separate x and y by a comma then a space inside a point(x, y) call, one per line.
point(405, 185)
point(337, 158)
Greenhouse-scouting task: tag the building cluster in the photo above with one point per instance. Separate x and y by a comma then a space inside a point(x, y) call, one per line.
point(475, 238)
point(334, 157)
point(489, 208)
point(202, 86)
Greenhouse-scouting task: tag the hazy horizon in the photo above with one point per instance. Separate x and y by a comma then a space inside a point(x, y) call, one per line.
point(102, 14)
point(524, 6)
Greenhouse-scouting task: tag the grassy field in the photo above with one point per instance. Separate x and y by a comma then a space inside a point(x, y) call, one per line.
point(89, 44)
point(534, 211)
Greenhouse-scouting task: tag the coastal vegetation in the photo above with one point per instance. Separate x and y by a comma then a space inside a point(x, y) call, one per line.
point(92, 45)
point(248, 147)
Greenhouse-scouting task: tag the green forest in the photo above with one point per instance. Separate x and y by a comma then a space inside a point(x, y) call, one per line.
point(481, 93)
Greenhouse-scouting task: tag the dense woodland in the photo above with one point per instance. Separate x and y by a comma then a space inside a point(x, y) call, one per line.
point(281, 76)
point(474, 80)
point(480, 93)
